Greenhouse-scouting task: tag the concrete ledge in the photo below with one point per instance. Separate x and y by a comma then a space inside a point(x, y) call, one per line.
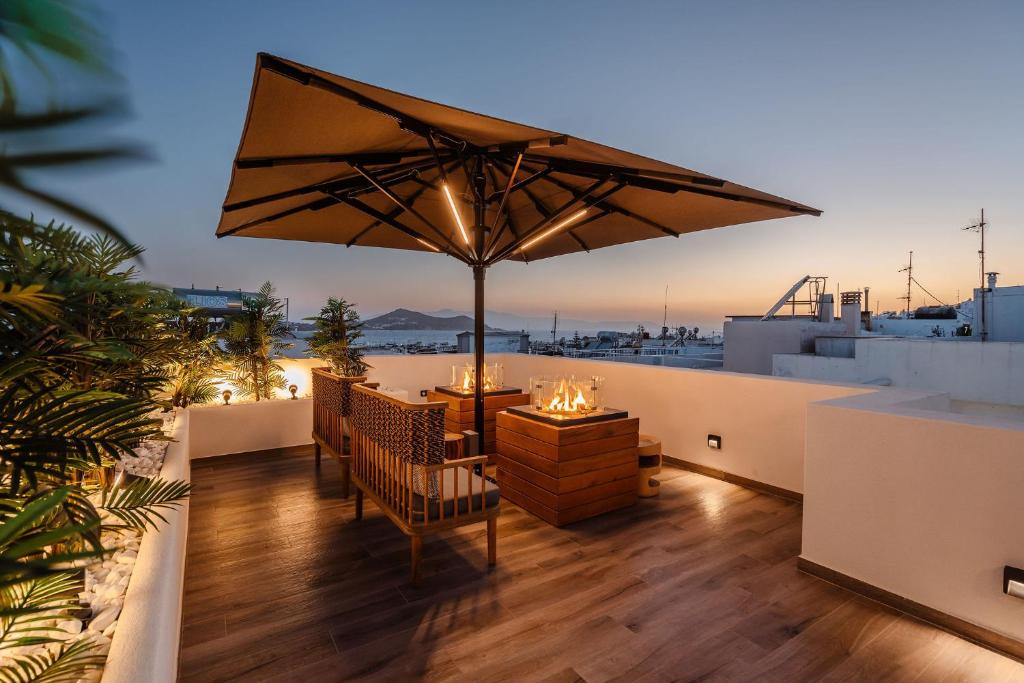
point(145, 645)
point(947, 622)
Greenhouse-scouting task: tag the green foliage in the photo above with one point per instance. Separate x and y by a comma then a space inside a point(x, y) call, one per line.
point(28, 528)
point(42, 28)
point(27, 608)
point(194, 373)
point(253, 341)
point(84, 350)
point(138, 503)
point(338, 328)
point(67, 665)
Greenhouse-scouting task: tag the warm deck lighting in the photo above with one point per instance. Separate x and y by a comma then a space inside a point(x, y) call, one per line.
point(555, 228)
point(455, 212)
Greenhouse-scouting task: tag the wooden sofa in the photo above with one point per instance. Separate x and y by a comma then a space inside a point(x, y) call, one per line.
point(397, 461)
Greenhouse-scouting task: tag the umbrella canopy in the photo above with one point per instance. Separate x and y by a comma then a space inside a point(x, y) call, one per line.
point(325, 158)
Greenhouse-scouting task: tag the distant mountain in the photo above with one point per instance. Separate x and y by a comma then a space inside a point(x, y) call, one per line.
point(404, 319)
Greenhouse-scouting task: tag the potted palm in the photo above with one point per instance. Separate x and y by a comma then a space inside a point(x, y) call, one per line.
point(253, 341)
point(337, 328)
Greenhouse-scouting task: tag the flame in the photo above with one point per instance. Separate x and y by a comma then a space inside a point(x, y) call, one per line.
point(564, 402)
point(468, 385)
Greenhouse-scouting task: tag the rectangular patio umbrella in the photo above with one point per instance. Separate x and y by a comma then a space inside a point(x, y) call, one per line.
point(325, 158)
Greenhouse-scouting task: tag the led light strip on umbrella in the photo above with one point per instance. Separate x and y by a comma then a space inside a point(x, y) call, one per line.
point(455, 212)
point(553, 229)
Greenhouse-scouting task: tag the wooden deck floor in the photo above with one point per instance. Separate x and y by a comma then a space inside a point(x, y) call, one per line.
point(281, 584)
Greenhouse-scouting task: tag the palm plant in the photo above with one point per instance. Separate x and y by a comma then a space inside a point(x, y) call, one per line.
point(193, 373)
point(338, 328)
point(253, 341)
point(74, 397)
point(82, 355)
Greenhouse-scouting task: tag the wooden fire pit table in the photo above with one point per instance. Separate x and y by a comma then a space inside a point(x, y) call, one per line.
point(563, 474)
point(460, 414)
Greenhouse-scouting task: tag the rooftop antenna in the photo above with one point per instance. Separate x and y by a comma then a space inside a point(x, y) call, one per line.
point(664, 320)
point(909, 270)
point(979, 227)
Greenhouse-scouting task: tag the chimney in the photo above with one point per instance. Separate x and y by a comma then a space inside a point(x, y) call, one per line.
point(850, 311)
point(992, 280)
point(826, 308)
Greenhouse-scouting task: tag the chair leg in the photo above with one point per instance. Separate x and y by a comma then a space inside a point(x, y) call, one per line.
point(492, 541)
point(316, 452)
point(359, 504)
point(345, 475)
point(417, 550)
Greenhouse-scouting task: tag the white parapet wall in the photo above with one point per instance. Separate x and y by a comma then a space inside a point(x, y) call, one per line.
point(247, 427)
point(760, 418)
point(145, 646)
point(922, 497)
point(970, 370)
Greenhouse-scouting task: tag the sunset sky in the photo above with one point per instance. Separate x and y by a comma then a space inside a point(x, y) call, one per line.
point(898, 120)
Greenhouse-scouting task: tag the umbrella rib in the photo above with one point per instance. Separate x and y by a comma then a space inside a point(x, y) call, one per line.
point(508, 187)
point(384, 218)
point(402, 204)
point(616, 208)
point(634, 177)
point(561, 211)
point(315, 205)
point(576, 165)
point(393, 214)
point(297, 159)
point(333, 184)
point(498, 230)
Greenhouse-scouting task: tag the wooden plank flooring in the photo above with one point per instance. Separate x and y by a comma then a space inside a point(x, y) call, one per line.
point(281, 584)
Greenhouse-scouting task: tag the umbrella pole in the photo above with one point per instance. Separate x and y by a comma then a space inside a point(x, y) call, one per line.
point(479, 270)
point(478, 343)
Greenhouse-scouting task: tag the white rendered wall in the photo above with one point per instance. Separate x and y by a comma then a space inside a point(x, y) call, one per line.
point(924, 504)
point(760, 419)
point(145, 645)
point(750, 344)
point(245, 427)
point(992, 372)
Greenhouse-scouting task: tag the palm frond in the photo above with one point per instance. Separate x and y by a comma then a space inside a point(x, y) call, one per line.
point(42, 431)
point(138, 504)
point(28, 535)
point(67, 665)
point(28, 609)
point(30, 300)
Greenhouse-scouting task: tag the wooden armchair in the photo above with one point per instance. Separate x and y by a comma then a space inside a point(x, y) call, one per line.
point(397, 460)
point(332, 406)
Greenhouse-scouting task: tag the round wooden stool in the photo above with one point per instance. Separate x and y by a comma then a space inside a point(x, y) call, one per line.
point(453, 445)
point(649, 454)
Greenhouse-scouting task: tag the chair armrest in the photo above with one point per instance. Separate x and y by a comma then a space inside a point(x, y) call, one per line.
point(461, 462)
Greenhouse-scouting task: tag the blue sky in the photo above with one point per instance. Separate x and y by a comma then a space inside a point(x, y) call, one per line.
point(899, 120)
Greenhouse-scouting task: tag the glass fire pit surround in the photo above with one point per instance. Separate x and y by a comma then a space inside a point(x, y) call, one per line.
point(567, 400)
point(463, 381)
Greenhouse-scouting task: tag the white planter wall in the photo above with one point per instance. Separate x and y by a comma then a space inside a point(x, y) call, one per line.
point(145, 645)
